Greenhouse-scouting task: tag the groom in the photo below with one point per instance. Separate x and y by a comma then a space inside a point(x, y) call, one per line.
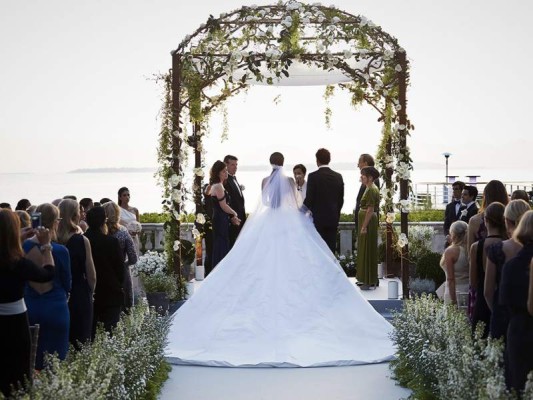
point(324, 198)
point(236, 199)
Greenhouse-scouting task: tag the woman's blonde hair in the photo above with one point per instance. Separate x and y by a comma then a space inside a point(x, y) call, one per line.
point(112, 213)
point(70, 214)
point(524, 232)
point(459, 229)
point(49, 215)
point(25, 220)
point(515, 210)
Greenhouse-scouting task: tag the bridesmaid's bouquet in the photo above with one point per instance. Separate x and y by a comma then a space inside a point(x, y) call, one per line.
point(134, 228)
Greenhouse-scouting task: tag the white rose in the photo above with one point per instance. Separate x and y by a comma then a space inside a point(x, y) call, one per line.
point(200, 218)
point(398, 68)
point(176, 195)
point(176, 246)
point(348, 54)
point(199, 172)
point(390, 217)
point(176, 214)
point(175, 180)
point(335, 20)
point(195, 232)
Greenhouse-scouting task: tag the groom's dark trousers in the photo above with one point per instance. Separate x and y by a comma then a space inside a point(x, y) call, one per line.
point(324, 198)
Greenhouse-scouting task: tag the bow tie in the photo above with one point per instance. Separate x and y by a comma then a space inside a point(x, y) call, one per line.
point(457, 202)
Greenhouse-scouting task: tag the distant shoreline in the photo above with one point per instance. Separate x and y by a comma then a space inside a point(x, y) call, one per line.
point(110, 170)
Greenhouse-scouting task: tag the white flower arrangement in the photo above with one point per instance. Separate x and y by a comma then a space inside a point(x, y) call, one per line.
point(151, 262)
point(402, 240)
point(175, 180)
point(200, 218)
point(391, 216)
point(134, 227)
point(405, 206)
point(196, 233)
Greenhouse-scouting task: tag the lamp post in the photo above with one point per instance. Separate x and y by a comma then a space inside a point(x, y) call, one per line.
point(445, 186)
point(447, 155)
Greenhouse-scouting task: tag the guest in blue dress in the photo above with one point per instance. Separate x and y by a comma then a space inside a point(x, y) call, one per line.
point(47, 302)
point(514, 289)
point(80, 302)
point(223, 214)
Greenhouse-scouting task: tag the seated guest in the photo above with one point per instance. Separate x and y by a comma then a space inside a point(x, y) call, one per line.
point(47, 302)
point(15, 271)
point(454, 262)
point(495, 225)
point(129, 255)
point(514, 289)
point(23, 205)
point(83, 273)
point(109, 265)
point(497, 255)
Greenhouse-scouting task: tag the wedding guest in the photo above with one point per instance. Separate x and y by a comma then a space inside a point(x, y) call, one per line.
point(86, 203)
point(25, 219)
point(104, 200)
point(80, 302)
point(129, 217)
point(5, 206)
point(365, 160)
point(495, 224)
point(494, 191)
point(56, 202)
point(367, 242)
point(454, 262)
point(47, 302)
point(31, 209)
point(299, 172)
point(324, 198)
point(97, 204)
point(208, 229)
point(71, 197)
point(235, 197)
point(468, 207)
point(109, 265)
point(497, 255)
point(514, 295)
point(223, 214)
point(82, 224)
point(23, 205)
point(15, 271)
point(129, 255)
point(520, 195)
point(530, 294)
point(452, 213)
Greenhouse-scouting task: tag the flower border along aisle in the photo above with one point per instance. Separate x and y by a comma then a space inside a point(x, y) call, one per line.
point(128, 365)
point(439, 358)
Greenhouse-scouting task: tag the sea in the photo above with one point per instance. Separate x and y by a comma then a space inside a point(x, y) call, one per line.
point(146, 195)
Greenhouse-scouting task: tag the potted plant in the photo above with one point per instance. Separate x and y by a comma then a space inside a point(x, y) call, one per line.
point(160, 288)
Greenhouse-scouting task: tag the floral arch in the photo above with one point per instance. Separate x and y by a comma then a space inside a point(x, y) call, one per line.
point(267, 45)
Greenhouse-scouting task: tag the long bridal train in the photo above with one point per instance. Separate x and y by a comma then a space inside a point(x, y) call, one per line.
point(279, 299)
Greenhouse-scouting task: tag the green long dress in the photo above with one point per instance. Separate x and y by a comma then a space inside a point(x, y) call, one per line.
point(367, 244)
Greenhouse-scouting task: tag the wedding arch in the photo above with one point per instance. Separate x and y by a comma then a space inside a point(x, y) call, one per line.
point(286, 43)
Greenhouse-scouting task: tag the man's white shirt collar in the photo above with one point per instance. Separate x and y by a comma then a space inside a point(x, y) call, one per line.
point(323, 166)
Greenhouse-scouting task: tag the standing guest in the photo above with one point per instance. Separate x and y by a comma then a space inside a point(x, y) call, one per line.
point(494, 191)
point(31, 209)
point(468, 207)
point(236, 198)
point(514, 295)
point(83, 273)
point(452, 213)
point(497, 255)
point(367, 242)
point(129, 217)
point(86, 203)
point(15, 271)
point(454, 262)
point(365, 160)
point(109, 265)
point(97, 204)
point(6, 206)
point(299, 172)
point(495, 223)
point(530, 294)
point(23, 205)
point(70, 197)
point(56, 202)
point(82, 225)
point(25, 219)
point(223, 214)
point(48, 302)
point(129, 255)
point(520, 195)
point(324, 198)
point(103, 200)
point(208, 228)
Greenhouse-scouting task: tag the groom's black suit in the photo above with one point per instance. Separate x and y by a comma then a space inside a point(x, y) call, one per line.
point(325, 197)
point(236, 201)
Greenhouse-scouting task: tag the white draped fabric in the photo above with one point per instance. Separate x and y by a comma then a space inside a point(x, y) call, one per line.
point(279, 299)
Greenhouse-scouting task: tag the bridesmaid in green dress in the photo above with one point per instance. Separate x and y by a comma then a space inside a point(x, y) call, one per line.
point(367, 242)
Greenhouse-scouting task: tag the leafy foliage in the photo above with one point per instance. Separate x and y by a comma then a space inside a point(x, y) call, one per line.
point(428, 267)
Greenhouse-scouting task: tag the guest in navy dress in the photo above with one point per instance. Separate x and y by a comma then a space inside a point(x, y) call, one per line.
point(15, 270)
point(83, 273)
point(514, 295)
point(47, 302)
point(223, 214)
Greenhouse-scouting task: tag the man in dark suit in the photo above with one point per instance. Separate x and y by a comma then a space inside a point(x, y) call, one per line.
point(452, 213)
point(236, 198)
point(365, 160)
point(324, 198)
point(109, 265)
point(469, 207)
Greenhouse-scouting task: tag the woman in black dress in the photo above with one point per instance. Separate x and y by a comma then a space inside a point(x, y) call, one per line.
point(223, 214)
point(15, 270)
point(514, 288)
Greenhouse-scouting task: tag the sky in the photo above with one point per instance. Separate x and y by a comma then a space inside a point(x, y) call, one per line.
point(77, 90)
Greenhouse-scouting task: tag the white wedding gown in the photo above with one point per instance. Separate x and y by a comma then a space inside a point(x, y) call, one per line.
point(278, 299)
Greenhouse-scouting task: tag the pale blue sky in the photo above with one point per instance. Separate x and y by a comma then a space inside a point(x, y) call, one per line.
point(75, 93)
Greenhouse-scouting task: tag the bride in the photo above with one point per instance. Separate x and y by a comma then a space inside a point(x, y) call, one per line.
point(279, 298)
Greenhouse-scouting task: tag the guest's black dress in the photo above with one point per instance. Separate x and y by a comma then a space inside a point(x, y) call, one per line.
point(80, 302)
point(221, 221)
point(500, 316)
point(15, 342)
point(514, 289)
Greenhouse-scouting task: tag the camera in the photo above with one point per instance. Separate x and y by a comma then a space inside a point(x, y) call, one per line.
point(35, 220)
